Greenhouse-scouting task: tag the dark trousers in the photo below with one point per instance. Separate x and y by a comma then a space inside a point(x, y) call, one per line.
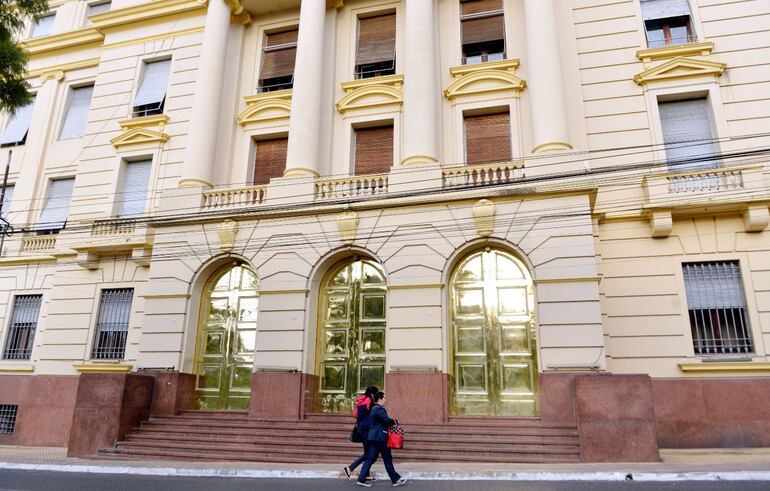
point(360, 460)
point(375, 449)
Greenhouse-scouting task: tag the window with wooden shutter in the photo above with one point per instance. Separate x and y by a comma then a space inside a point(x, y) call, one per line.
point(18, 126)
point(133, 190)
point(483, 30)
point(488, 138)
point(687, 134)
point(373, 150)
point(151, 96)
point(77, 113)
point(667, 22)
point(376, 50)
point(270, 159)
point(278, 55)
point(54, 214)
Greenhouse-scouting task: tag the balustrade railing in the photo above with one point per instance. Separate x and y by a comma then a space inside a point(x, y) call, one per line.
point(216, 199)
point(115, 226)
point(483, 175)
point(38, 243)
point(710, 180)
point(352, 187)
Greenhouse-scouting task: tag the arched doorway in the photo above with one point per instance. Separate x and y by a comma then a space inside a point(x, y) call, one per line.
point(224, 353)
point(494, 356)
point(350, 347)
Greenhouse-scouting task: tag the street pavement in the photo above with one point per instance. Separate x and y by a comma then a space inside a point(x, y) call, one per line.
point(17, 480)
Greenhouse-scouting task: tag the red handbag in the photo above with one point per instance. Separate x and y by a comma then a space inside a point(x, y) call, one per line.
point(396, 436)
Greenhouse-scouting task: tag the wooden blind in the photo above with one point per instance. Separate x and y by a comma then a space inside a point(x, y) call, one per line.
point(488, 138)
point(373, 150)
point(482, 29)
point(270, 160)
point(376, 39)
point(279, 62)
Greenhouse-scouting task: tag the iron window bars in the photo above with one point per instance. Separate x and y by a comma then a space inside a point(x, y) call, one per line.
point(8, 418)
point(717, 308)
point(112, 324)
point(21, 331)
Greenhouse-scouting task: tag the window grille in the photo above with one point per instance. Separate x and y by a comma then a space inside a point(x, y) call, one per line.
point(112, 326)
point(717, 308)
point(7, 418)
point(21, 331)
point(151, 96)
point(77, 113)
point(18, 125)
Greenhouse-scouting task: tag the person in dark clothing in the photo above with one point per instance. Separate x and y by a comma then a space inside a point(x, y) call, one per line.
point(363, 406)
point(379, 422)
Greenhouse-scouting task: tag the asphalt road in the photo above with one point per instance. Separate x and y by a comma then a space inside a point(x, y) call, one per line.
point(66, 481)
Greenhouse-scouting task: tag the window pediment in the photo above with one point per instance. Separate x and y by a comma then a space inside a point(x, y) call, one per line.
point(679, 68)
point(268, 106)
point(137, 131)
point(372, 92)
point(484, 78)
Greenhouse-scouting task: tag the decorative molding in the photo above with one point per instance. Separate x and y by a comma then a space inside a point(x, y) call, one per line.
point(147, 129)
point(283, 292)
point(77, 38)
point(692, 49)
point(484, 78)
point(102, 367)
point(756, 218)
point(727, 366)
point(238, 14)
point(372, 92)
point(157, 37)
point(661, 224)
point(347, 225)
point(195, 183)
point(235, 6)
point(300, 172)
point(48, 72)
point(144, 11)
point(57, 75)
point(587, 279)
point(335, 4)
point(8, 261)
point(111, 247)
point(227, 231)
point(18, 368)
point(416, 286)
point(680, 68)
point(267, 106)
point(165, 295)
point(484, 217)
point(552, 147)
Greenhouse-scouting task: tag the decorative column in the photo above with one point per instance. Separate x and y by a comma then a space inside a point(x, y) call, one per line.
point(198, 166)
point(302, 155)
point(544, 78)
point(421, 88)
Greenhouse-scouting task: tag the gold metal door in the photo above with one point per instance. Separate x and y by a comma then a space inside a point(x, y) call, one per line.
point(226, 337)
point(351, 336)
point(494, 356)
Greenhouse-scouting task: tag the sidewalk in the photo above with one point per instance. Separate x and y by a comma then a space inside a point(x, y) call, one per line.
point(677, 465)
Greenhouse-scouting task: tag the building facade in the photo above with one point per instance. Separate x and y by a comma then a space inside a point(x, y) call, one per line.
point(530, 208)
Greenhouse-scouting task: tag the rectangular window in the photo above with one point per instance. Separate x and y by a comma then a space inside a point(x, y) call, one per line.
point(18, 126)
point(77, 113)
point(376, 51)
point(7, 199)
point(151, 96)
point(278, 55)
point(717, 308)
point(687, 134)
point(667, 22)
point(8, 418)
point(56, 208)
point(43, 25)
point(21, 330)
point(133, 191)
point(112, 324)
point(483, 30)
point(96, 8)
point(488, 138)
point(270, 159)
point(373, 150)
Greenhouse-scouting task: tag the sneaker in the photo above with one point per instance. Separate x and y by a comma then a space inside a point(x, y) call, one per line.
point(364, 484)
point(400, 482)
point(346, 470)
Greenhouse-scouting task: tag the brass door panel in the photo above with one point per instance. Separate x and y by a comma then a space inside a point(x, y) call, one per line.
point(494, 357)
point(226, 338)
point(350, 350)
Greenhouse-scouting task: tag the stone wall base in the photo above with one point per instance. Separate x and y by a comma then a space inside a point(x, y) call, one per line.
point(417, 397)
point(277, 395)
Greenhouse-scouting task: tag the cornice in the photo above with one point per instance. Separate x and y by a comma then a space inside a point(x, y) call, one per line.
point(102, 367)
point(51, 72)
point(149, 10)
point(680, 68)
point(729, 366)
point(8, 261)
point(693, 49)
point(56, 42)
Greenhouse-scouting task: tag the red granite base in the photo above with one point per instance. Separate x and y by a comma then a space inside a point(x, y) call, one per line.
point(276, 395)
point(417, 397)
point(172, 392)
point(713, 413)
point(107, 406)
point(46, 404)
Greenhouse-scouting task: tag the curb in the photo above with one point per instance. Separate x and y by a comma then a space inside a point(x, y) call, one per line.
point(416, 476)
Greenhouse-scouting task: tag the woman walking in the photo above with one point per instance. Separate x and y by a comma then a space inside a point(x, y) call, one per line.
point(363, 406)
point(377, 438)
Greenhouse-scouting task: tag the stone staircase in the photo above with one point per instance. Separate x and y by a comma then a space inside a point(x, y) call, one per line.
point(233, 436)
